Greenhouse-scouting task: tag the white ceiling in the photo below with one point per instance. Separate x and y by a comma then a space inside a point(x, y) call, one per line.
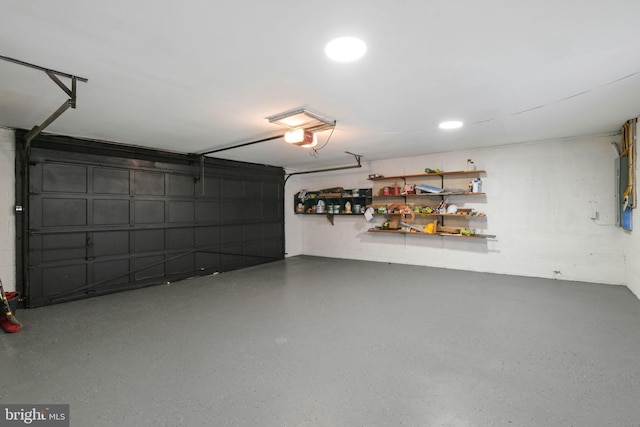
point(192, 76)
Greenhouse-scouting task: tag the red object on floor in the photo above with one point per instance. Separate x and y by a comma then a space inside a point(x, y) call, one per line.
point(11, 295)
point(8, 326)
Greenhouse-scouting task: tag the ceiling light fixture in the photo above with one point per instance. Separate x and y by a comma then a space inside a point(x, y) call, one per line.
point(302, 118)
point(301, 138)
point(452, 124)
point(303, 126)
point(345, 49)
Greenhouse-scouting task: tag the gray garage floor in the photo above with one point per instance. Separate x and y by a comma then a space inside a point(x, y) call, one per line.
point(322, 342)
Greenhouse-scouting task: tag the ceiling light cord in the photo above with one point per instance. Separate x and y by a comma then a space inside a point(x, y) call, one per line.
point(314, 151)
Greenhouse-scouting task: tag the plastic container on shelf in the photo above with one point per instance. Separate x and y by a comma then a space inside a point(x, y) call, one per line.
point(476, 185)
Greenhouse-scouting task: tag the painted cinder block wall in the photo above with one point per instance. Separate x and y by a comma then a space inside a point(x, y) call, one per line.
point(7, 210)
point(539, 201)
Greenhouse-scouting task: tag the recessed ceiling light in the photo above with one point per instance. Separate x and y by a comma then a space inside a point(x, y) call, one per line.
point(452, 124)
point(345, 49)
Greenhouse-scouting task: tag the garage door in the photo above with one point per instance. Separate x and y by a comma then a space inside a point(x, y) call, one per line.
point(102, 218)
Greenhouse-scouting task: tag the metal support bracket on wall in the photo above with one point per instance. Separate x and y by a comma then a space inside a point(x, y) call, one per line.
point(69, 103)
point(22, 168)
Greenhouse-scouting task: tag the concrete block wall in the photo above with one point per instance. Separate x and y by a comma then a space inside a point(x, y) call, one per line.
point(539, 201)
point(7, 209)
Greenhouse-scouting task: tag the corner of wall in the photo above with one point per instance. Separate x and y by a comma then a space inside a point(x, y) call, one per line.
point(293, 232)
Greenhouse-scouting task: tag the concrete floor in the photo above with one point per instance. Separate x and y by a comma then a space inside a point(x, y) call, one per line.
point(323, 342)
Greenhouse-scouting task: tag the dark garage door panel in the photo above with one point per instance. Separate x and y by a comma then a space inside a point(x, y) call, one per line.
point(63, 212)
point(100, 222)
point(111, 212)
point(111, 181)
point(58, 279)
point(58, 177)
point(105, 243)
point(110, 273)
